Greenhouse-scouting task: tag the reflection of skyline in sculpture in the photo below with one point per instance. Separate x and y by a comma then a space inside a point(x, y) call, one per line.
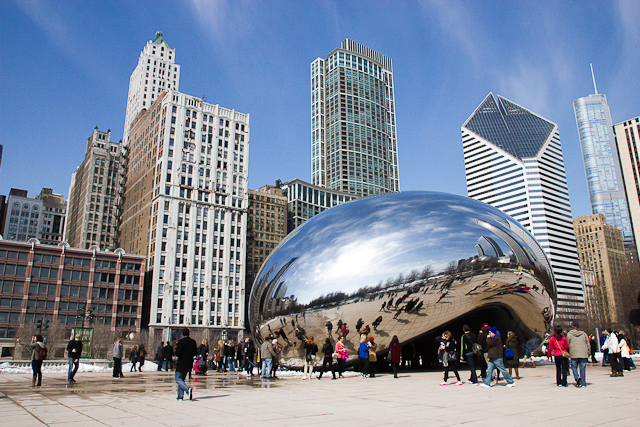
point(412, 258)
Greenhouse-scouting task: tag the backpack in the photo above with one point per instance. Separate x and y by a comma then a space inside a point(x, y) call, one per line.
point(477, 349)
point(42, 354)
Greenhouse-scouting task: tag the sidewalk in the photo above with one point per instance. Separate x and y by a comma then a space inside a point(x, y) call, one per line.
point(414, 399)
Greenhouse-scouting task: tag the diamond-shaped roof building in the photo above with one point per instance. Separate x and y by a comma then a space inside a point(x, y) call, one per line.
point(510, 126)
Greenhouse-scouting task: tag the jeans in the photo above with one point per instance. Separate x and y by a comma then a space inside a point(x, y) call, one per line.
point(267, 364)
point(36, 367)
point(605, 353)
point(582, 363)
point(182, 386)
point(160, 363)
point(308, 366)
point(73, 368)
point(117, 367)
point(562, 369)
point(493, 364)
point(232, 364)
point(471, 361)
point(248, 366)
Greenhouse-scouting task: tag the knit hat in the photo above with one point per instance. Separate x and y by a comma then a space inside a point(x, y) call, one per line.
point(485, 326)
point(493, 330)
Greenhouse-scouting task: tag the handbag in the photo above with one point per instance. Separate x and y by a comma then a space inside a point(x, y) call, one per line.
point(565, 353)
point(389, 356)
point(508, 353)
point(477, 349)
point(308, 357)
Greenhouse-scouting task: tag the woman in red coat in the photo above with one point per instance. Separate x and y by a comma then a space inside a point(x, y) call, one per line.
point(395, 348)
point(557, 344)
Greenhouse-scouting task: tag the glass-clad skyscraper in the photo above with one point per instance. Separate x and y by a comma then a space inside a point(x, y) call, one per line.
point(513, 161)
point(601, 162)
point(353, 122)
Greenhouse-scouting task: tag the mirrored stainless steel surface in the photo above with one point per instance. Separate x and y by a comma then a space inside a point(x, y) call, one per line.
point(406, 263)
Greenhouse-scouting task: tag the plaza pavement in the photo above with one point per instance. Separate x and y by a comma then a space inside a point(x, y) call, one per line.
point(414, 399)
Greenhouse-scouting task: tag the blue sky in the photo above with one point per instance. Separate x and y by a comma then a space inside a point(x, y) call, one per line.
point(65, 68)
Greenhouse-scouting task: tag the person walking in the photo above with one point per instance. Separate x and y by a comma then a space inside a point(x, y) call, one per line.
point(142, 355)
point(579, 348)
point(74, 350)
point(160, 355)
point(467, 342)
point(558, 348)
point(373, 358)
point(395, 349)
point(230, 353)
point(266, 355)
point(363, 353)
point(167, 354)
point(613, 346)
point(528, 354)
point(448, 355)
point(342, 355)
point(593, 346)
point(483, 359)
point(248, 351)
point(133, 358)
point(186, 350)
point(494, 353)
point(310, 350)
point(274, 366)
point(118, 354)
point(38, 355)
point(625, 354)
point(218, 356)
point(512, 358)
point(605, 352)
point(327, 360)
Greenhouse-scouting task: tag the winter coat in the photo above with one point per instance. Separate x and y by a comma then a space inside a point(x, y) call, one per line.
point(624, 349)
point(494, 347)
point(74, 345)
point(513, 344)
point(311, 349)
point(35, 349)
point(556, 345)
point(579, 346)
point(133, 356)
point(118, 350)
point(372, 353)
point(249, 350)
point(203, 351)
point(611, 344)
point(342, 351)
point(482, 340)
point(266, 350)
point(160, 352)
point(396, 351)
point(186, 350)
point(167, 351)
point(466, 343)
point(363, 350)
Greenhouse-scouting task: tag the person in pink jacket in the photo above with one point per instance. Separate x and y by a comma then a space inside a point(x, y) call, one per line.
point(342, 356)
point(557, 344)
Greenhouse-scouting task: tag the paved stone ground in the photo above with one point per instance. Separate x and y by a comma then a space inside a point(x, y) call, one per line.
point(414, 399)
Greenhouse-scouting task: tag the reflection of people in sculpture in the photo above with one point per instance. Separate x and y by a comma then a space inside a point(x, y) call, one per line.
point(359, 324)
point(366, 330)
point(444, 295)
point(390, 302)
point(300, 333)
point(376, 323)
point(384, 304)
point(395, 316)
point(329, 326)
point(283, 335)
point(419, 306)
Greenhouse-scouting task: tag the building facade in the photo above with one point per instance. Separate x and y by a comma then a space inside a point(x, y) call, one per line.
point(42, 218)
point(266, 227)
point(601, 249)
point(72, 287)
point(305, 201)
point(513, 161)
point(156, 72)
point(94, 195)
point(353, 122)
point(601, 162)
point(627, 137)
point(185, 208)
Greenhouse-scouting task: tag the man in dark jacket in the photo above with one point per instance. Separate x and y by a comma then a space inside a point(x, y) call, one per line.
point(248, 351)
point(482, 340)
point(186, 350)
point(74, 350)
point(467, 342)
point(167, 352)
point(495, 352)
point(160, 355)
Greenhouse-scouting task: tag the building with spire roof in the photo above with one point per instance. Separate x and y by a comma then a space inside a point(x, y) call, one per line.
point(513, 161)
point(601, 162)
point(156, 71)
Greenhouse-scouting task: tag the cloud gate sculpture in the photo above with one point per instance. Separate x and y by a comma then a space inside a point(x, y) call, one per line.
point(407, 264)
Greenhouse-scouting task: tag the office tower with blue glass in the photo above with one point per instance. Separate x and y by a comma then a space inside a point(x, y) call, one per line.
point(601, 162)
point(353, 122)
point(513, 161)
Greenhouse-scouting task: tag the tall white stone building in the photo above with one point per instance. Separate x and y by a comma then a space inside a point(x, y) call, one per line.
point(185, 207)
point(513, 161)
point(156, 71)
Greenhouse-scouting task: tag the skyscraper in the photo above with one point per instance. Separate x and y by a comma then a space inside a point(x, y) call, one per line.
point(353, 122)
point(513, 161)
point(627, 136)
point(156, 71)
point(601, 162)
point(94, 195)
point(185, 205)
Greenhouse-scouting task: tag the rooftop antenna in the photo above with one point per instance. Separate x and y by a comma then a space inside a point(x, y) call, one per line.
point(594, 79)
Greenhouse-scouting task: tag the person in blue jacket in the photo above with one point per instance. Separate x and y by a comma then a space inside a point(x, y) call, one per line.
point(363, 352)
